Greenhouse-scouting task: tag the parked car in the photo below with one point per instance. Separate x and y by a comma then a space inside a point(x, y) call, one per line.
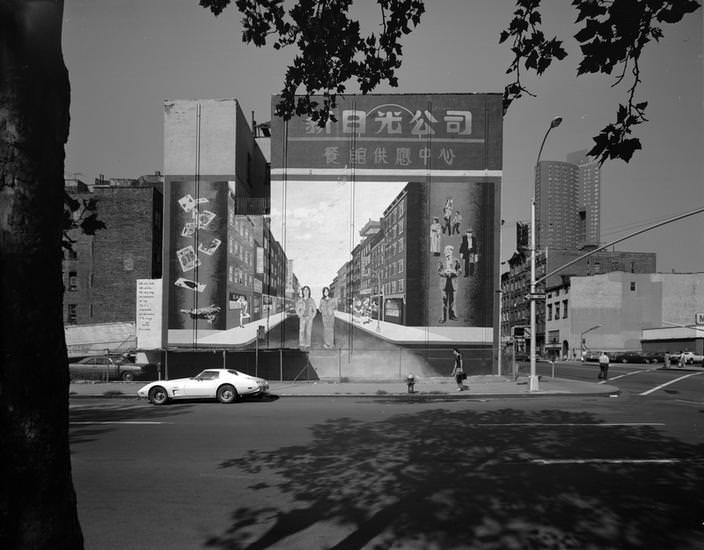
point(109, 367)
point(225, 385)
point(629, 357)
point(591, 356)
point(689, 358)
point(655, 356)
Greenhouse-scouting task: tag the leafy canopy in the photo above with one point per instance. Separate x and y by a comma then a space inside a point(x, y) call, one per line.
point(332, 51)
point(79, 214)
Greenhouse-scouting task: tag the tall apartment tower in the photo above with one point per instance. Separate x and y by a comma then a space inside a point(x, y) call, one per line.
point(568, 202)
point(588, 198)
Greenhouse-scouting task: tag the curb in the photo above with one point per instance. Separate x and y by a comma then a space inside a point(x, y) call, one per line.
point(398, 395)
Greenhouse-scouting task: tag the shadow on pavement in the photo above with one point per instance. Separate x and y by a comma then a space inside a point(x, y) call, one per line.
point(467, 479)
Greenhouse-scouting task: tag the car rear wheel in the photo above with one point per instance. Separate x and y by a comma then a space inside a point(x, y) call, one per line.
point(227, 394)
point(128, 376)
point(158, 395)
point(624, 360)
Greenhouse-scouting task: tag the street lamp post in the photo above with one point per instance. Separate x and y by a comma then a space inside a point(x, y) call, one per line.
point(534, 386)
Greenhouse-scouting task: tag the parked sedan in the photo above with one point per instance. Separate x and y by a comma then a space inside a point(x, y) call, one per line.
point(225, 385)
point(591, 356)
point(629, 357)
point(689, 358)
point(107, 367)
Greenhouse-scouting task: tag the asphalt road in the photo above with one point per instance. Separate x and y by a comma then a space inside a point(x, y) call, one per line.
point(290, 473)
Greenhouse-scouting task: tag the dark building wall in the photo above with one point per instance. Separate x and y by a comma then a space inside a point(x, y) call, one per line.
point(416, 251)
point(125, 251)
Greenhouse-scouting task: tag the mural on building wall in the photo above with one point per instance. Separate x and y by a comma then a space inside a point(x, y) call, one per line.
point(392, 211)
point(197, 264)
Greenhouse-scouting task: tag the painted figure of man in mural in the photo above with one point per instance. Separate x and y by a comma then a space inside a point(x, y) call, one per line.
point(447, 216)
point(306, 310)
point(456, 222)
point(244, 314)
point(468, 252)
point(449, 269)
point(327, 308)
point(435, 230)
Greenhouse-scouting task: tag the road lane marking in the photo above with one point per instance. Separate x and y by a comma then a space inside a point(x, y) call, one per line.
point(567, 424)
point(133, 422)
point(661, 386)
point(622, 376)
point(548, 462)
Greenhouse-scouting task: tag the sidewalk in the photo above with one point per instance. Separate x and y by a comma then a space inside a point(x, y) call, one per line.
point(479, 386)
point(402, 334)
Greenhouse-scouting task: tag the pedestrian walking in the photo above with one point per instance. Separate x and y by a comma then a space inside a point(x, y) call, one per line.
point(603, 366)
point(458, 370)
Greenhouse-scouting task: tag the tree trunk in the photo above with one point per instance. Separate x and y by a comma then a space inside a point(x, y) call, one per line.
point(37, 500)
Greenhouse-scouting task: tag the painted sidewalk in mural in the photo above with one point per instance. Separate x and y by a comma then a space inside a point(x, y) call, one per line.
point(389, 332)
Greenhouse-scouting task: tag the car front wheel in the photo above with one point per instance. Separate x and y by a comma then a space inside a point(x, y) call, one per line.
point(227, 394)
point(158, 395)
point(128, 376)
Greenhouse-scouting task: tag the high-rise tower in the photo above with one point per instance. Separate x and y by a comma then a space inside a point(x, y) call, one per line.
point(568, 202)
point(588, 198)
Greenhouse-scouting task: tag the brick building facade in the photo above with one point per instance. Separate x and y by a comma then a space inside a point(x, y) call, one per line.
point(100, 271)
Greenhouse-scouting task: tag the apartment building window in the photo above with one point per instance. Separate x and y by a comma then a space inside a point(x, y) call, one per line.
point(400, 266)
point(557, 311)
point(72, 281)
point(72, 315)
point(549, 312)
point(633, 286)
point(564, 309)
point(400, 285)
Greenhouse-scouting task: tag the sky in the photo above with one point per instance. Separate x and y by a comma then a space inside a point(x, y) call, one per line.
point(126, 56)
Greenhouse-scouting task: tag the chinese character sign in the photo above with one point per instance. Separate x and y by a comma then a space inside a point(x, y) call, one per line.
point(439, 132)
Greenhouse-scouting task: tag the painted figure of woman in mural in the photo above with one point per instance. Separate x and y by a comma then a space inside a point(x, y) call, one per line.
point(447, 216)
point(449, 269)
point(327, 312)
point(306, 310)
point(468, 252)
point(435, 230)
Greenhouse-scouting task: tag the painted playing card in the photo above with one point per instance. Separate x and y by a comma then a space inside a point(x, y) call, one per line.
point(187, 203)
point(210, 248)
point(187, 258)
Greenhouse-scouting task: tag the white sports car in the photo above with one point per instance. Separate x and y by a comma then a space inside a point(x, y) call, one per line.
point(225, 385)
